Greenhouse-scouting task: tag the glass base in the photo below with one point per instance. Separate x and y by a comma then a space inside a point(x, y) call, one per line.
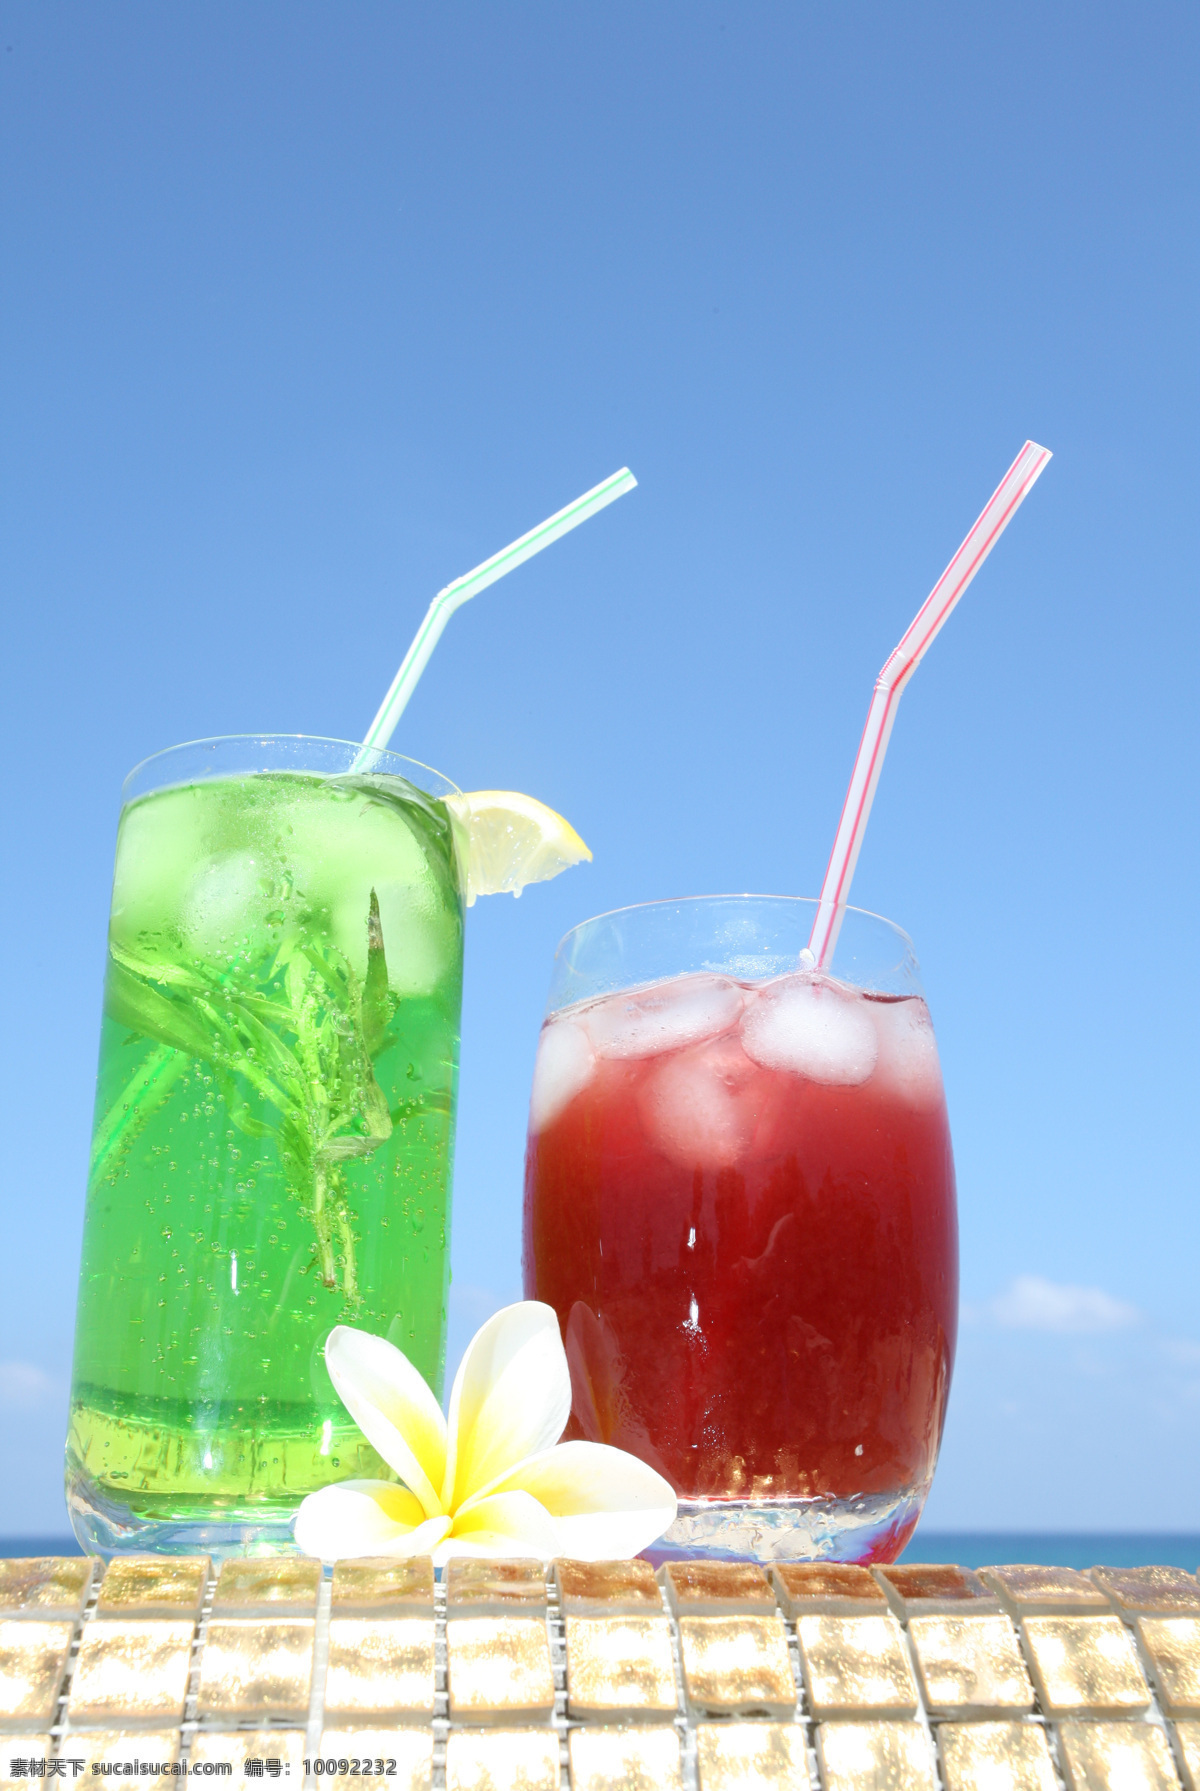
point(104, 1527)
point(857, 1529)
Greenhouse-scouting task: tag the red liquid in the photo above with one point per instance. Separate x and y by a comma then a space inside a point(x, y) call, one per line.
point(755, 1269)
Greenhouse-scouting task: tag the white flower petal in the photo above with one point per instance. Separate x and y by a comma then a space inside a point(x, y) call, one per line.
point(393, 1407)
point(508, 1524)
point(365, 1517)
point(511, 1399)
point(606, 1504)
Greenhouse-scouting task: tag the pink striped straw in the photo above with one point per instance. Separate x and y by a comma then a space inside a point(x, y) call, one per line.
point(997, 514)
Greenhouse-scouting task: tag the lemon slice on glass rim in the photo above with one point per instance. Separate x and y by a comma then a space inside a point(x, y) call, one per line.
point(511, 840)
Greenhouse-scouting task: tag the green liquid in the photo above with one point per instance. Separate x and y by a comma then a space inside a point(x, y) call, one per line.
point(273, 1137)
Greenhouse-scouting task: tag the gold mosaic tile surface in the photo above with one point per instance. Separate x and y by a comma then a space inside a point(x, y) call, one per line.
point(1187, 1742)
point(1116, 1757)
point(1173, 1647)
point(856, 1666)
point(45, 1586)
point(1150, 1591)
point(970, 1666)
point(497, 1588)
point(498, 1669)
point(395, 1759)
point(154, 1586)
point(131, 1669)
point(740, 1756)
point(607, 1588)
point(598, 1676)
point(645, 1758)
point(1044, 1591)
point(383, 1588)
point(1009, 1756)
point(282, 1749)
point(280, 1587)
point(928, 1591)
point(877, 1756)
point(33, 1660)
point(380, 1667)
point(255, 1670)
point(504, 1760)
point(620, 1666)
point(827, 1589)
point(1085, 1666)
point(734, 1666)
point(716, 1588)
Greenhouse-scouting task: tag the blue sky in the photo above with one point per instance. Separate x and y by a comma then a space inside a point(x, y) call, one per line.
point(309, 308)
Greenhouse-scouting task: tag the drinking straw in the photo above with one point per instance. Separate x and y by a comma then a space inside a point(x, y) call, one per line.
point(998, 512)
point(469, 585)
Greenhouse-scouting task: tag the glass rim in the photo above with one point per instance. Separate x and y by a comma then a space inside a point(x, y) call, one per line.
point(379, 752)
point(730, 896)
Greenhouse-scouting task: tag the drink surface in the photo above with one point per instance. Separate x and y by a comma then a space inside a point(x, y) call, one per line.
point(273, 1134)
point(740, 1200)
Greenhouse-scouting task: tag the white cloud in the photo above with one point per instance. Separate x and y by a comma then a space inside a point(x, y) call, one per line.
point(1034, 1304)
point(24, 1385)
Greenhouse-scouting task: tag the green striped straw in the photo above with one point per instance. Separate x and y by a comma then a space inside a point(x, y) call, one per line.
point(469, 585)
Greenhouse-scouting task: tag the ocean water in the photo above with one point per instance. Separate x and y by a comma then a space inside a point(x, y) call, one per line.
point(1080, 1548)
point(969, 1548)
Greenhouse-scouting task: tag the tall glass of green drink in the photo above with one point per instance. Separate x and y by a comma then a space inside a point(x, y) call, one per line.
point(273, 1133)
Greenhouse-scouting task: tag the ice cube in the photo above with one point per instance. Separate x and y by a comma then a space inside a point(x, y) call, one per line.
point(226, 898)
point(695, 1111)
point(680, 1012)
point(564, 1067)
point(813, 1026)
point(908, 1053)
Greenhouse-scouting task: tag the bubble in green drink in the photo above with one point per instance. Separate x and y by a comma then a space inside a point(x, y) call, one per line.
point(273, 1137)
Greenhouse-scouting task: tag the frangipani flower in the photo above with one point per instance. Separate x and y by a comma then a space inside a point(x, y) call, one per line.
point(492, 1479)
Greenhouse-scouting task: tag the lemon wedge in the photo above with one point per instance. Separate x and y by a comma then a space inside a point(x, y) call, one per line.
point(512, 840)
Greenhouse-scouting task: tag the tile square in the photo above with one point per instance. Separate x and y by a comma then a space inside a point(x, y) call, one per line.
point(1150, 1591)
point(46, 1585)
point(607, 1588)
point(737, 1666)
point(970, 1666)
point(279, 1585)
point(21, 1748)
point(1172, 1645)
point(132, 1671)
point(503, 1760)
point(745, 1756)
point(388, 1759)
point(1115, 1757)
point(716, 1588)
point(877, 1756)
point(154, 1586)
point(1187, 1748)
point(379, 1667)
point(1084, 1666)
point(494, 1588)
point(1034, 1591)
point(33, 1660)
point(498, 1669)
point(382, 1587)
point(644, 1758)
point(120, 1746)
point(995, 1757)
point(856, 1666)
point(828, 1589)
point(620, 1666)
point(284, 1745)
point(914, 1591)
point(254, 1669)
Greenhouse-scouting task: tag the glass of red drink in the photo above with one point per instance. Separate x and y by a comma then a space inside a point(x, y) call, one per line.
point(739, 1199)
